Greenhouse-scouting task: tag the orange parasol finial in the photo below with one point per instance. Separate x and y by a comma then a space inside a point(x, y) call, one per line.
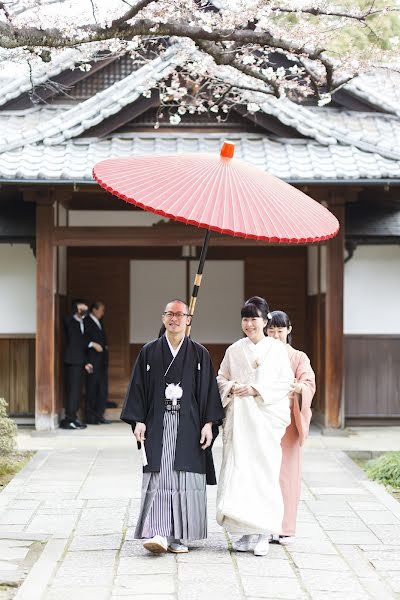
point(227, 150)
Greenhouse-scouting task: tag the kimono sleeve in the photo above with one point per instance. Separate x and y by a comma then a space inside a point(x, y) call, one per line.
point(224, 381)
point(302, 404)
point(274, 390)
point(214, 409)
point(135, 405)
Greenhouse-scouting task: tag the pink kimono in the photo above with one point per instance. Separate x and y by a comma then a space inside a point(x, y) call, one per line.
point(292, 441)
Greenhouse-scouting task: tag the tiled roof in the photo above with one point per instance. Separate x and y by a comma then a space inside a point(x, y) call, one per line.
point(46, 142)
point(316, 123)
point(41, 72)
point(14, 122)
point(326, 126)
point(379, 89)
point(376, 131)
point(288, 159)
point(75, 121)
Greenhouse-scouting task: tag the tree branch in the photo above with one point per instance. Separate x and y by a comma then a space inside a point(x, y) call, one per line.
point(132, 12)
point(222, 58)
point(319, 12)
point(145, 27)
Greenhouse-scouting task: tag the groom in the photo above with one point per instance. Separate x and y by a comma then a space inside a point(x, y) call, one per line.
point(174, 407)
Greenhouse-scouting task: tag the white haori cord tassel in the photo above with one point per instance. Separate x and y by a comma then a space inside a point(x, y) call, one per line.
point(173, 392)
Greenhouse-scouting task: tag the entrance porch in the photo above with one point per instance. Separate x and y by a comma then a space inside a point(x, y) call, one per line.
point(93, 246)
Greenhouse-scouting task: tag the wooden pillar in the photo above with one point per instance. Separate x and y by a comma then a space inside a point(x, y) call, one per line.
point(45, 401)
point(334, 338)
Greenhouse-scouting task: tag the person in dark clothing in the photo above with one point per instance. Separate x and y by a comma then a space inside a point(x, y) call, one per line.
point(97, 380)
point(76, 362)
point(174, 408)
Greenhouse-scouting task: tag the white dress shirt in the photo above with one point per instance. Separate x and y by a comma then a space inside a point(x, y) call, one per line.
point(80, 321)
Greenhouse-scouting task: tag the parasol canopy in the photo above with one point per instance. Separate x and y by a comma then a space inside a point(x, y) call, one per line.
point(219, 193)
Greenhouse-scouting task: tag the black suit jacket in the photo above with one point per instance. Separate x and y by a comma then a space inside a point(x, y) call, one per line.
point(95, 334)
point(76, 343)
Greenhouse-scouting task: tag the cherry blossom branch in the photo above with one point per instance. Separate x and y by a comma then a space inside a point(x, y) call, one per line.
point(146, 27)
point(320, 12)
point(222, 58)
point(131, 13)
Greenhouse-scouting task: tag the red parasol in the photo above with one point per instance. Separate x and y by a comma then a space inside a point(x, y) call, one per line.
point(219, 193)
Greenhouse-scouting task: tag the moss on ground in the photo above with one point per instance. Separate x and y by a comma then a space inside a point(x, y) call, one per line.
point(385, 469)
point(11, 464)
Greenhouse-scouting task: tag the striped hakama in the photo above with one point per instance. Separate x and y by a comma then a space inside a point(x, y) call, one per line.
point(173, 502)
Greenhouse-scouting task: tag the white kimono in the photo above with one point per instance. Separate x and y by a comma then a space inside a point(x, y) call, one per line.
point(249, 495)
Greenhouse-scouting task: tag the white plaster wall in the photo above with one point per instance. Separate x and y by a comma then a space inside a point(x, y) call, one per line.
point(152, 283)
point(217, 317)
point(17, 289)
point(371, 286)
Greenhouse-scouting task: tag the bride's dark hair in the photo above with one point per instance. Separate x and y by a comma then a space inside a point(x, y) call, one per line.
point(256, 307)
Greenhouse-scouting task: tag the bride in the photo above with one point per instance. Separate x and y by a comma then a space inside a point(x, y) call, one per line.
point(254, 380)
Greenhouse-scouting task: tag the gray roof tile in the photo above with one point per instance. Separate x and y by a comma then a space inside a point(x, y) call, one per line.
point(379, 88)
point(304, 160)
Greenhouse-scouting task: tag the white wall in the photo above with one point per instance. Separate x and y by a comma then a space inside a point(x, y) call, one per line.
point(151, 283)
point(371, 288)
point(217, 317)
point(17, 289)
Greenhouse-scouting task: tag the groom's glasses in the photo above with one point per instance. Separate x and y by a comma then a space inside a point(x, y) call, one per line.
point(179, 315)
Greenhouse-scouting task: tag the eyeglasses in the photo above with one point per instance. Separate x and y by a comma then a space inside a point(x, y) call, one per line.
point(179, 315)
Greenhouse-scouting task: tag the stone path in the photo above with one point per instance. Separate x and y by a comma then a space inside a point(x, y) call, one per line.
point(77, 502)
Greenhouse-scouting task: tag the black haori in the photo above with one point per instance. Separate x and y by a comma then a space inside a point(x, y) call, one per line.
point(200, 404)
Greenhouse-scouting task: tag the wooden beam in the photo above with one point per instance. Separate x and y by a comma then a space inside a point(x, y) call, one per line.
point(163, 235)
point(269, 123)
point(45, 412)
point(124, 116)
point(334, 338)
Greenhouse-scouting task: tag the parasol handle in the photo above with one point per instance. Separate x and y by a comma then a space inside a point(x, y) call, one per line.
point(198, 278)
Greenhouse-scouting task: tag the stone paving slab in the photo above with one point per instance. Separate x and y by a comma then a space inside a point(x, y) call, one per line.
point(81, 501)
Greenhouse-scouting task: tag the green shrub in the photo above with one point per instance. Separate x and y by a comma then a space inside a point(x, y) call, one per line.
point(8, 431)
point(385, 469)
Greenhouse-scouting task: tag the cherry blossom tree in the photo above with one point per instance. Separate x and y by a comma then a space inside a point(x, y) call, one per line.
point(226, 51)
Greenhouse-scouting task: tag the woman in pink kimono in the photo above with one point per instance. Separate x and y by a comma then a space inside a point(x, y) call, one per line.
point(303, 390)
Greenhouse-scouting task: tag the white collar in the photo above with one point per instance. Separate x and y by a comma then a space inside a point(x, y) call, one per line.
point(174, 351)
point(252, 345)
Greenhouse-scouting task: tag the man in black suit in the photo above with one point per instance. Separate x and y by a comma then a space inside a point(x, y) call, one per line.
point(97, 380)
point(76, 362)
